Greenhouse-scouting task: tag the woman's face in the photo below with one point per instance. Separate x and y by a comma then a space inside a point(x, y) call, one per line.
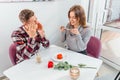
point(73, 20)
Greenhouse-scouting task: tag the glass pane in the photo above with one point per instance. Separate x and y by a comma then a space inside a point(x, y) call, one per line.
point(111, 46)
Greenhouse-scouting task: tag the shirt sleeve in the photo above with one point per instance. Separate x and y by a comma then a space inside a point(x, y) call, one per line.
point(45, 43)
point(83, 40)
point(63, 36)
point(25, 45)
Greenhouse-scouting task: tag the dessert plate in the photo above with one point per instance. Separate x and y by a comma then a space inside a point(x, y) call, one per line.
point(58, 60)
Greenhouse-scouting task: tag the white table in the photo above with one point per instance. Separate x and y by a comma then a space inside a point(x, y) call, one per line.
point(30, 70)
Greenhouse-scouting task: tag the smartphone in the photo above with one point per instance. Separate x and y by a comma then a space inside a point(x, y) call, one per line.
point(67, 29)
point(39, 26)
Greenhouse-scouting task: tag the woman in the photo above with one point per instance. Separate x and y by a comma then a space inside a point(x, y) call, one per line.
point(29, 36)
point(77, 33)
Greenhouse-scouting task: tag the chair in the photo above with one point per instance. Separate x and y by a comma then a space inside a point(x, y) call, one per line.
point(94, 47)
point(12, 53)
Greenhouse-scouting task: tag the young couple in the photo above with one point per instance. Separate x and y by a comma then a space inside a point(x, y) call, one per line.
point(30, 35)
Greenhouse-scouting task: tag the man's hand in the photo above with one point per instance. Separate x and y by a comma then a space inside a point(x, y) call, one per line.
point(42, 33)
point(31, 29)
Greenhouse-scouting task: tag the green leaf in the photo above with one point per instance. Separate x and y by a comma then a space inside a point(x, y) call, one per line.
point(70, 66)
point(81, 65)
point(66, 62)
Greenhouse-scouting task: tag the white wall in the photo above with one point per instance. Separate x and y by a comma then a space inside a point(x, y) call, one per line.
point(51, 14)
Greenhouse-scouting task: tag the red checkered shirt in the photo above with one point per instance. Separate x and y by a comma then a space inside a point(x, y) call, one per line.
point(26, 46)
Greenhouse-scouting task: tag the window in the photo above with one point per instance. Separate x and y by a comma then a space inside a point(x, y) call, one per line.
point(24, 0)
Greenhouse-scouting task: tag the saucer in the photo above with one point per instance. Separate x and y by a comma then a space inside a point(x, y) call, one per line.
point(58, 60)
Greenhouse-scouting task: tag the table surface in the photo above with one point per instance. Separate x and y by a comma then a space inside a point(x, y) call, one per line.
point(31, 70)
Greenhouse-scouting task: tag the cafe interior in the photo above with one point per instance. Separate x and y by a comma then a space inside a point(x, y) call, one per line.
point(103, 16)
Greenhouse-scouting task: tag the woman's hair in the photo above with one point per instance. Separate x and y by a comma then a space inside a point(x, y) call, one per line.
point(79, 14)
point(25, 15)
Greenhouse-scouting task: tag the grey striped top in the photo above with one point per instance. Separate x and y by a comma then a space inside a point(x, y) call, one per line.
point(76, 42)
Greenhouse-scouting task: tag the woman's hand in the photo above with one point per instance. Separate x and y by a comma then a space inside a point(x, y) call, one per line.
point(62, 28)
point(74, 31)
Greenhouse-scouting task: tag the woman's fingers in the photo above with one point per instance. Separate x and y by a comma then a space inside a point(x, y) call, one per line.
point(74, 31)
point(62, 28)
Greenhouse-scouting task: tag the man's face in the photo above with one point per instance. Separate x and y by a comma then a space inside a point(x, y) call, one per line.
point(32, 19)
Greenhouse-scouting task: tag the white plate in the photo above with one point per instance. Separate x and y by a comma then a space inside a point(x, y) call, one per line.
point(58, 60)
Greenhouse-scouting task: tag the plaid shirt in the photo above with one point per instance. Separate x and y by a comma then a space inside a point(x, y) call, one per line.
point(26, 46)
